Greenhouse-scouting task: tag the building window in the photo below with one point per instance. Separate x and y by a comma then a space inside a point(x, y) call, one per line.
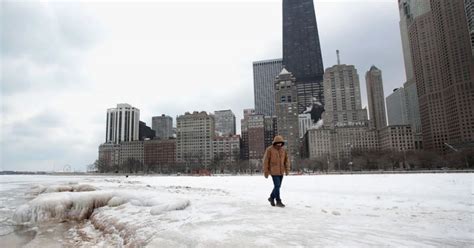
point(283, 98)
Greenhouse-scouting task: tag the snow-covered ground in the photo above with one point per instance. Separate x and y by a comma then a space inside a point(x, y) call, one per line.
point(415, 210)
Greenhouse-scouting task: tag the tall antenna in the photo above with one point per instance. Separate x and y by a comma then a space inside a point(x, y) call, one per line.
point(338, 59)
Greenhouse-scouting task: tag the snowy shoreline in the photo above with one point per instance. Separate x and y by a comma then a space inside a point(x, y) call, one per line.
point(248, 174)
point(415, 210)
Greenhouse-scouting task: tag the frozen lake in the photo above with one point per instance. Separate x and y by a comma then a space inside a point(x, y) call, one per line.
point(414, 210)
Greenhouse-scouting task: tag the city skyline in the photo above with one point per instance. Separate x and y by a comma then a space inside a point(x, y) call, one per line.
point(85, 71)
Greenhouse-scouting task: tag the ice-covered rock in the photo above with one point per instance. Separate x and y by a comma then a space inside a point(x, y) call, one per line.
point(174, 205)
point(61, 206)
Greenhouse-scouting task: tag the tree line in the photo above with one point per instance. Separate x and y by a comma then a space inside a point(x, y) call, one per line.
point(391, 160)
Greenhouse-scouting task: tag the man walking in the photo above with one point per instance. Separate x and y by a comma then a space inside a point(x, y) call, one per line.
point(275, 163)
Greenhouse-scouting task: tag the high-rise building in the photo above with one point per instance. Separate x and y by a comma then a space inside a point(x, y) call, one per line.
point(122, 124)
point(225, 122)
point(397, 107)
point(194, 135)
point(469, 6)
point(302, 51)
point(163, 126)
point(264, 74)
point(373, 80)
point(286, 106)
point(409, 9)
point(145, 132)
point(342, 94)
point(443, 67)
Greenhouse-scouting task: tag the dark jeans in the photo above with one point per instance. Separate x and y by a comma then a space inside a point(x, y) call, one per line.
point(276, 187)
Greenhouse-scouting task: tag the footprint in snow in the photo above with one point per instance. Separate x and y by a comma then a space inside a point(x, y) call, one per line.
point(324, 211)
point(336, 213)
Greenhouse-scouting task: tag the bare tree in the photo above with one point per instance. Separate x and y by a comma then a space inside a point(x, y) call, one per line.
point(101, 166)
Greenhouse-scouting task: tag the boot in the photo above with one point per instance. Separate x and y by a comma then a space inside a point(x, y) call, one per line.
point(280, 204)
point(272, 201)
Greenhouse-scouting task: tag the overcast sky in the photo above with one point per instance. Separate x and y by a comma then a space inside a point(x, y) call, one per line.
point(64, 63)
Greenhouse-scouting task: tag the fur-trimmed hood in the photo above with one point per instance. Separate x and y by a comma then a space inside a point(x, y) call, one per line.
point(278, 139)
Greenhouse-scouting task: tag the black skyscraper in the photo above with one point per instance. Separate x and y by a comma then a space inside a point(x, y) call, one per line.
point(302, 51)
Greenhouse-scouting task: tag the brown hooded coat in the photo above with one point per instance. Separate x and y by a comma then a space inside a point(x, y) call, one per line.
point(276, 162)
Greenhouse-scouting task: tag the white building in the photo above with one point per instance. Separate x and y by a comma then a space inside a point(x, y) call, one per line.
point(305, 122)
point(122, 124)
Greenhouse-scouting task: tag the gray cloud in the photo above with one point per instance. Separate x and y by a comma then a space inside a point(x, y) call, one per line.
point(37, 125)
point(42, 49)
point(42, 44)
point(42, 31)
